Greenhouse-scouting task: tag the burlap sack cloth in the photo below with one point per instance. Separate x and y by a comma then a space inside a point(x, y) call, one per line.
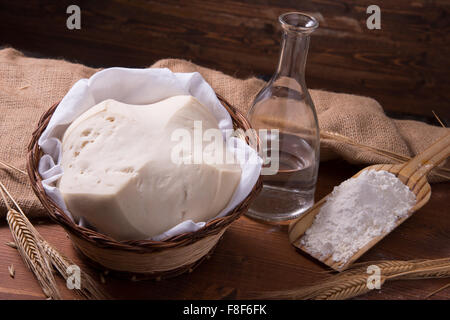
point(29, 86)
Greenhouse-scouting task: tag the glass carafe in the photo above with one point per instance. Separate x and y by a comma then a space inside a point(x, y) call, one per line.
point(285, 118)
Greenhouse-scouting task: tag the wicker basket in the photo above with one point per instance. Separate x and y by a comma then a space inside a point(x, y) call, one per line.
point(139, 259)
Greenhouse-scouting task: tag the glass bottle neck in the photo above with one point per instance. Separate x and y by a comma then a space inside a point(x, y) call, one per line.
point(294, 50)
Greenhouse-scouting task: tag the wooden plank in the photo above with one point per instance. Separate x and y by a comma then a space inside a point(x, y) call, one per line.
point(404, 65)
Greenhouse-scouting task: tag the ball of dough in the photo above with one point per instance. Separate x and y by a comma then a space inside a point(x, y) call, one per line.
point(120, 174)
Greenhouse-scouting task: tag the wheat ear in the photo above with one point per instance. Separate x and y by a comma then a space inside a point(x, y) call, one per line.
point(31, 251)
point(88, 288)
point(438, 119)
point(353, 282)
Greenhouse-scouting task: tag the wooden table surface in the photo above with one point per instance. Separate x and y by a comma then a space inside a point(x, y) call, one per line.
point(255, 257)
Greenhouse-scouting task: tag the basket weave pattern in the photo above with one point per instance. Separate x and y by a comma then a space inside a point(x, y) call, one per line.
point(145, 258)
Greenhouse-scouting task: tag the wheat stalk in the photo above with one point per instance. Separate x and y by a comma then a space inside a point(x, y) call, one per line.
point(438, 290)
point(424, 273)
point(88, 287)
point(395, 267)
point(397, 158)
point(353, 282)
point(12, 167)
point(333, 136)
point(31, 251)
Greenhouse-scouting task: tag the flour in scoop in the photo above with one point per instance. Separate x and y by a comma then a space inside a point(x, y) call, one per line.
point(358, 210)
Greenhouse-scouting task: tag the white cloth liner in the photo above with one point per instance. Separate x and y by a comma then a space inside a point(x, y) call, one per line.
point(141, 86)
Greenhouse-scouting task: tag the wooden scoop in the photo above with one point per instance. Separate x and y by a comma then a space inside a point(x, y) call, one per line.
point(412, 173)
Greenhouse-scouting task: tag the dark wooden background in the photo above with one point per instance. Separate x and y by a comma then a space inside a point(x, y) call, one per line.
point(405, 65)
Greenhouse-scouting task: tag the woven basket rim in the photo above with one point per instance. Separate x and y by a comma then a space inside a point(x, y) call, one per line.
point(212, 227)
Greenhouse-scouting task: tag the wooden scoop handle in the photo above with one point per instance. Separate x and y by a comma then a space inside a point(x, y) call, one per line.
point(425, 161)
